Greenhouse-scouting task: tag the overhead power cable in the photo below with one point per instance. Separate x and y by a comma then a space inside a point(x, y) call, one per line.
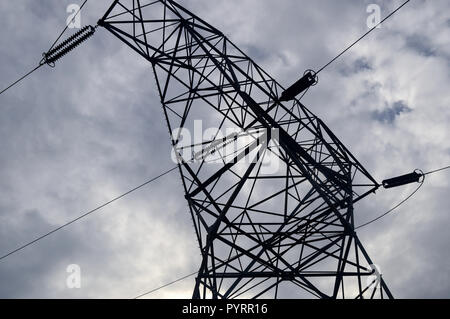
point(43, 61)
point(165, 285)
point(362, 37)
point(23, 77)
point(310, 77)
point(407, 198)
point(86, 214)
point(438, 170)
point(393, 208)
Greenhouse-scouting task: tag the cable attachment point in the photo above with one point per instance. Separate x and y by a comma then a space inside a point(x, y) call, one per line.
point(67, 45)
point(309, 79)
point(313, 74)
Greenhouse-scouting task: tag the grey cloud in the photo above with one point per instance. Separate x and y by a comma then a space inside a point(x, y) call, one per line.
point(420, 44)
point(359, 65)
point(389, 114)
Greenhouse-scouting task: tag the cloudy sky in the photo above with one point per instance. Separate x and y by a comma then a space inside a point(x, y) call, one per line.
point(77, 135)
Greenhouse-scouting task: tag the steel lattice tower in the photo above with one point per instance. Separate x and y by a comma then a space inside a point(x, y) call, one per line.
point(263, 231)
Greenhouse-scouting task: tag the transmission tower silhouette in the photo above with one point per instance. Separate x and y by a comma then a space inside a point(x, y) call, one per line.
point(275, 216)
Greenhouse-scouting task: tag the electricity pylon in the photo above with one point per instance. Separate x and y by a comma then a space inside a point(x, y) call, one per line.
point(274, 217)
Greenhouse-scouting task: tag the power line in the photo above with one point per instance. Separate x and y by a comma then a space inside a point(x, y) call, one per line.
point(23, 77)
point(393, 208)
point(165, 285)
point(407, 198)
point(43, 60)
point(363, 36)
point(86, 214)
point(438, 170)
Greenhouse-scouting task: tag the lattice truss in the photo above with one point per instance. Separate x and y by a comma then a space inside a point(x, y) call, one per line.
point(270, 188)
